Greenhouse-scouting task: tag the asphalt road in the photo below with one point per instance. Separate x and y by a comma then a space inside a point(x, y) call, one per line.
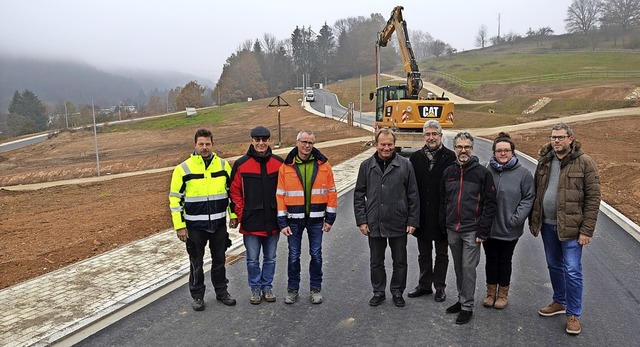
point(611, 303)
point(22, 142)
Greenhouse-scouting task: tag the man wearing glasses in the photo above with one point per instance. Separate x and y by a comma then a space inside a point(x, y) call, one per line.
point(254, 178)
point(306, 199)
point(467, 209)
point(565, 212)
point(428, 164)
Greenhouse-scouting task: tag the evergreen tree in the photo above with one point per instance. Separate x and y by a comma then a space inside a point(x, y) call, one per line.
point(28, 107)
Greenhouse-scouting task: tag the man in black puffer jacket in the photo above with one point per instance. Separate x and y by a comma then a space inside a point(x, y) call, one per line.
point(467, 208)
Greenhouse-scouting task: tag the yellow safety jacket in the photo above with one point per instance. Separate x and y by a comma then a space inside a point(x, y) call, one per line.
point(199, 197)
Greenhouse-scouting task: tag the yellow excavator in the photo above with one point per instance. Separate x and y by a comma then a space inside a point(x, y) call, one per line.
point(401, 107)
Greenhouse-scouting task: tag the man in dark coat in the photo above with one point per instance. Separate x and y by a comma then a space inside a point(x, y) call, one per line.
point(387, 209)
point(429, 164)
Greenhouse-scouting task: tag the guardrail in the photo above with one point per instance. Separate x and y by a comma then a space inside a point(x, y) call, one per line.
point(539, 78)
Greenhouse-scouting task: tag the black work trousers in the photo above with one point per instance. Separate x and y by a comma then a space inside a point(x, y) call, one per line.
point(498, 255)
point(430, 273)
point(377, 249)
point(195, 247)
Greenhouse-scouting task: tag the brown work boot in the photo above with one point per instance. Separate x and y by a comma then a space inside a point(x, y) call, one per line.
point(491, 295)
point(501, 301)
point(552, 309)
point(573, 325)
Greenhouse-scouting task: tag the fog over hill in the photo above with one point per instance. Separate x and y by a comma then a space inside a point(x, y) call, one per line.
point(55, 81)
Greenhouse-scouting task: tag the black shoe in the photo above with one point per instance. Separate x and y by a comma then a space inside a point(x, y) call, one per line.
point(464, 317)
point(455, 308)
point(419, 292)
point(398, 300)
point(197, 304)
point(440, 295)
point(226, 299)
point(376, 300)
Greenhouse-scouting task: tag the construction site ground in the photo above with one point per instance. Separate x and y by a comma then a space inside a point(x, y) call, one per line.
point(46, 229)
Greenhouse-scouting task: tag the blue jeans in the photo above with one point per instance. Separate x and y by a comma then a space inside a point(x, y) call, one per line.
point(314, 231)
point(564, 260)
point(261, 279)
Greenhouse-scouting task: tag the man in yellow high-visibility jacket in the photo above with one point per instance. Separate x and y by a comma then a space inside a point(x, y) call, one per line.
point(199, 203)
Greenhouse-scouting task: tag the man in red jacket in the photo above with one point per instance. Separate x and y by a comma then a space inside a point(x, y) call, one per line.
point(254, 179)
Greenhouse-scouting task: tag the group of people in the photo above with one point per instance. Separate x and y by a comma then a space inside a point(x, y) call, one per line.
point(262, 194)
point(443, 197)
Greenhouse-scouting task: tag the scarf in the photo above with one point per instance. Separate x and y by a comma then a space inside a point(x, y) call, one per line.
point(499, 167)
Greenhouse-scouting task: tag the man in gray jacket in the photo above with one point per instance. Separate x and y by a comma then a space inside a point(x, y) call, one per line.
point(387, 209)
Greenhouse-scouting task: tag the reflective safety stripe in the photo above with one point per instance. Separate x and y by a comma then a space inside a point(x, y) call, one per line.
point(185, 167)
point(319, 191)
point(280, 192)
point(205, 217)
point(296, 215)
point(331, 209)
point(176, 209)
point(294, 193)
point(282, 213)
point(205, 198)
point(176, 195)
point(316, 214)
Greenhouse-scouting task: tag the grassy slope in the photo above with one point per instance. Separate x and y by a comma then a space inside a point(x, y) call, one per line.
point(517, 62)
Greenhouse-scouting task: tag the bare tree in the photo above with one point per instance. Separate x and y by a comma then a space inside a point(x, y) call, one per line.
point(420, 42)
point(438, 48)
point(621, 13)
point(481, 38)
point(582, 16)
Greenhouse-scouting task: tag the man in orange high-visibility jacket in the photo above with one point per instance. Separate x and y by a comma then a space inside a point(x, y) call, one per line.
point(307, 199)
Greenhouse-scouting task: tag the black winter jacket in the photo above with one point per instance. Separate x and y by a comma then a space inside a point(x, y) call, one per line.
point(468, 199)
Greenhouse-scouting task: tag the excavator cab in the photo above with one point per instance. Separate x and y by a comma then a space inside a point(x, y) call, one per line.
point(386, 93)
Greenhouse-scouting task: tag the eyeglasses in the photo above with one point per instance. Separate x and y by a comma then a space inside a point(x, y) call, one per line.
point(558, 138)
point(306, 143)
point(503, 151)
point(466, 148)
point(434, 134)
point(261, 138)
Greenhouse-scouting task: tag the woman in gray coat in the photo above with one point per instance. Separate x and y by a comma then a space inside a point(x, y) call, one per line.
point(515, 195)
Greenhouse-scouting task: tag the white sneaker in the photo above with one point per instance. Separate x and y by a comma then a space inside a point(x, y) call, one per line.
point(292, 296)
point(316, 297)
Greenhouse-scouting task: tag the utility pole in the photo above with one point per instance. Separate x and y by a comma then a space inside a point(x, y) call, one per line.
point(360, 107)
point(95, 136)
point(66, 119)
point(498, 28)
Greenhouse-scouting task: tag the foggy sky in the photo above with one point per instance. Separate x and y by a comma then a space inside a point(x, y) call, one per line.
point(197, 36)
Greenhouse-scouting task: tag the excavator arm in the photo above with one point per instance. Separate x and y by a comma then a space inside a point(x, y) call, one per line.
point(399, 26)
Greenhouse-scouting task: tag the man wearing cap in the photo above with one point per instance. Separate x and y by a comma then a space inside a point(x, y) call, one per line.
point(307, 199)
point(254, 179)
point(199, 204)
